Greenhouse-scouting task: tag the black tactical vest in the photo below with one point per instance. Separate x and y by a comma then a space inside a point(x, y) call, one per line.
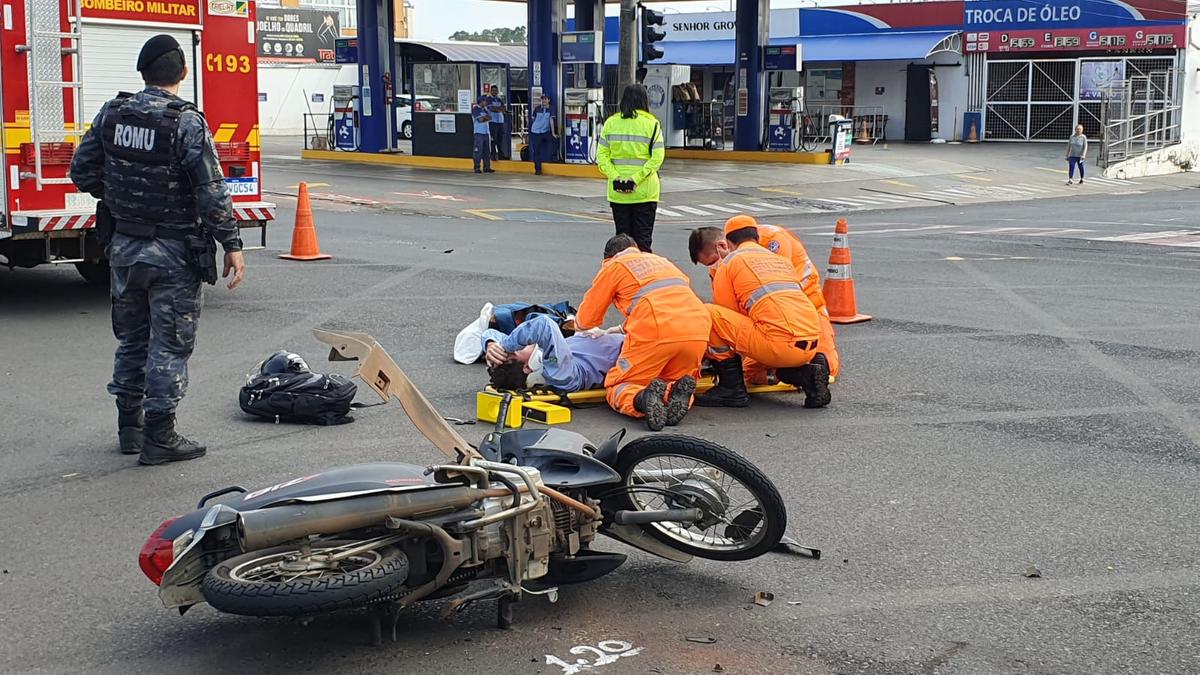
point(144, 183)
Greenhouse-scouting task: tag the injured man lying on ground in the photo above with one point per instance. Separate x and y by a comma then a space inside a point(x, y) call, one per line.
point(536, 353)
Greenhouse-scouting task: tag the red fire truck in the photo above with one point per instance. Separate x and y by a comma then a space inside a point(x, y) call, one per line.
point(60, 60)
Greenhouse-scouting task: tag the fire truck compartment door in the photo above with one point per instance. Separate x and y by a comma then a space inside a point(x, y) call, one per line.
point(110, 55)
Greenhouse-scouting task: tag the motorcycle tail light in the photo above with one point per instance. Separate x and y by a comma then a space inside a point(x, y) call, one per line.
point(157, 554)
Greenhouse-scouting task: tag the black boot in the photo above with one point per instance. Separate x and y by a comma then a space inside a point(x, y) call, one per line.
point(812, 379)
point(130, 422)
point(650, 403)
point(680, 400)
point(163, 445)
point(730, 391)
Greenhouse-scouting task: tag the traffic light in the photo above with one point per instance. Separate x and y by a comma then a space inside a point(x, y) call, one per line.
point(651, 18)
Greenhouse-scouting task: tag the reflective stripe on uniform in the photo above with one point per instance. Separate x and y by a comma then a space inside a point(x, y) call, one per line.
point(620, 388)
point(730, 256)
point(632, 138)
point(629, 162)
point(769, 289)
point(807, 271)
point(837, 272)
point(603, 141)
point(652, 287)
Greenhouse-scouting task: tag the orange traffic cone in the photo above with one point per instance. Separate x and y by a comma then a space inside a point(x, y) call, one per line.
point(863, 136)
point(304, 235)
point(839, 281)
point(973, 137)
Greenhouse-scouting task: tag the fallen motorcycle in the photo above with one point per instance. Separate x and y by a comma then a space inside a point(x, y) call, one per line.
point(520, 513)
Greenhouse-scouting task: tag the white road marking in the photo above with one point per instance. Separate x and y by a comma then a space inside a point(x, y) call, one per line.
point(723, 209)
point(695, 212)
point(668, 212)
point(771, 206)
point(747, 207)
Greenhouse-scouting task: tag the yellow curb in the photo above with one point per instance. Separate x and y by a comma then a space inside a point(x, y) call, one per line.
point(751, 156)
point(452, 163)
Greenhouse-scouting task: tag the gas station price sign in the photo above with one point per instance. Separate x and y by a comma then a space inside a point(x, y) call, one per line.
point(782, 57)
point(581, 47)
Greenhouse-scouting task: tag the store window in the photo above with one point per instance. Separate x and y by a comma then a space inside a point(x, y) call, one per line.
point(439, 84)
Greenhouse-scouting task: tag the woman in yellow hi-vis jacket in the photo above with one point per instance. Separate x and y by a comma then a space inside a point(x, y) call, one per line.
point(630, 153)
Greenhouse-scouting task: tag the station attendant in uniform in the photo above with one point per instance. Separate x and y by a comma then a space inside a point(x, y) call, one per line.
point(481, 151)
point(543, 134)
point(151, 160)
point(631, 150)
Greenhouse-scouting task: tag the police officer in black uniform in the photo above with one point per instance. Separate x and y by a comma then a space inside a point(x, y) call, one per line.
point(150, 159)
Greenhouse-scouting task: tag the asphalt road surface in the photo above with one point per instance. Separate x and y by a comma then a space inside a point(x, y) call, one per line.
point(1020, 400)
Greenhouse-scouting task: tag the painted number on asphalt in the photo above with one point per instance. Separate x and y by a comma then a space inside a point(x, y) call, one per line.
point(605, 653)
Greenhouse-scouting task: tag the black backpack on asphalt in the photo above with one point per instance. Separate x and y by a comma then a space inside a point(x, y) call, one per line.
point(285, 390)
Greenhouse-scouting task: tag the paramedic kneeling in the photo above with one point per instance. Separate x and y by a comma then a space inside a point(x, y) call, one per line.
point(666, 332)
point(707, 245)
point(759, 311)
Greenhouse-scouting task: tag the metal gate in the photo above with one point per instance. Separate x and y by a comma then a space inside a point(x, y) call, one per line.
point(1039, 99)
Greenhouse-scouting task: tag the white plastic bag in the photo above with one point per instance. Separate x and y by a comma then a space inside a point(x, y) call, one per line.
point(468, 346)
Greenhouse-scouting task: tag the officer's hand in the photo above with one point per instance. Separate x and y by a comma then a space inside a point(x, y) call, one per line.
point(234, 262)
point(495, 354)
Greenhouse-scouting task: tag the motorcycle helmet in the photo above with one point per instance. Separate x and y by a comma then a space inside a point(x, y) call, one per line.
point(283, 362)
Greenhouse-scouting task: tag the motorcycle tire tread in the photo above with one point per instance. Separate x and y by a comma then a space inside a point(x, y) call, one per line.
point(712, 453)
point(301, 597)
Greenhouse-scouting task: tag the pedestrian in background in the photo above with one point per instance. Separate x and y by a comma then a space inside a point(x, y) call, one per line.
point(482, 149)
point(1076, 154)
point(543, 134)
point(149, 157)
point(631, 150)
point(501, 140)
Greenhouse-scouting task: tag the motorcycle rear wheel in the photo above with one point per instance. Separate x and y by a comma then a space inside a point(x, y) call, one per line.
point(745, 515)
point(270, 582)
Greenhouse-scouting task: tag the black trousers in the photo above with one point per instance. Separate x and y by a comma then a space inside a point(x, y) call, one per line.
point(637, 221)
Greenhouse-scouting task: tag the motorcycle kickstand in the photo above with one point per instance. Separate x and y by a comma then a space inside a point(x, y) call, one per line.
point(504, 611)
point(378, 618)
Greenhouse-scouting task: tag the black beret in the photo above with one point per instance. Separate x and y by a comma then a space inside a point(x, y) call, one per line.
point(155, 47)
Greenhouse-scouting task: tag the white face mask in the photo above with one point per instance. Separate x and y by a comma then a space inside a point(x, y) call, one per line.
point(535, 362)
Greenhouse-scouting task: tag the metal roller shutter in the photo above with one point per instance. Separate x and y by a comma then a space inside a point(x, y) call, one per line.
point(110, 63)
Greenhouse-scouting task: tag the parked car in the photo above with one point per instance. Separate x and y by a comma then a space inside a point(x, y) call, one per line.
point(404, 113)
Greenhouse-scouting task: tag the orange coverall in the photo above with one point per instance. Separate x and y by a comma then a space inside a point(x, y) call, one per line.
point(666, 325)
point(782, 242)
point(761, 312)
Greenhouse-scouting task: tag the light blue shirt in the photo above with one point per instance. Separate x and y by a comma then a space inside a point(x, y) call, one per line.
point(481, 125)
point(494, 105)
point(541, 121)
point(568, 364)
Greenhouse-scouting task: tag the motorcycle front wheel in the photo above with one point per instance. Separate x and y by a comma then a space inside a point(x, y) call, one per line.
point(285, 581)
point(744, 515)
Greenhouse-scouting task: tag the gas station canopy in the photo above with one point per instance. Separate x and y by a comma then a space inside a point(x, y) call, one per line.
point(889, 46)
point(515, 56)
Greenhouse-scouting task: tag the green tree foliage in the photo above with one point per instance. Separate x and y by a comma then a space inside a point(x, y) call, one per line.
point(514, 35)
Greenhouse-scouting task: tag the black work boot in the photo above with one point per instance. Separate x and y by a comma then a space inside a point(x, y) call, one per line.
point(730, 391)
point(650, 403)
point(162, 444)
point(130, 421)
point(812, 379)
point(680, 400)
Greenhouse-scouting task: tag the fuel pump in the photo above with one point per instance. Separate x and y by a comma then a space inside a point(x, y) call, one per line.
point(784, 104)
point(343, 120)
point(583, 114)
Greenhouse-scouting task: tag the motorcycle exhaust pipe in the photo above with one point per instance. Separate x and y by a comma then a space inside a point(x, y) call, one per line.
point(666, 516)
point(263, 528)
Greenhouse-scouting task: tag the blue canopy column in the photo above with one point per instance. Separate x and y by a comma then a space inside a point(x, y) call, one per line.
point(751, 33)
point(545, 23)
point(376, 69)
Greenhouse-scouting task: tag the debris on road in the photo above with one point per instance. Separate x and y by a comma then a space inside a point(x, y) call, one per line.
point(764, 598)
point(702, 640)
point(1032, 572)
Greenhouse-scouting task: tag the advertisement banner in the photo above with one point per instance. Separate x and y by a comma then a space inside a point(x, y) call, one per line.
point(880, 17)
point(297, 36)
point(1073, 39)
point(179, 12)
point(1097, 76)
point(1045, 14)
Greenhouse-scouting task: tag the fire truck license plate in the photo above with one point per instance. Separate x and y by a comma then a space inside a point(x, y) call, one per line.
point(242, 186)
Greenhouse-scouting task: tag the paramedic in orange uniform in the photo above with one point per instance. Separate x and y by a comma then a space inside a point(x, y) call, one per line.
point(707, 245)
point(666, 328)
point(760, 312)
